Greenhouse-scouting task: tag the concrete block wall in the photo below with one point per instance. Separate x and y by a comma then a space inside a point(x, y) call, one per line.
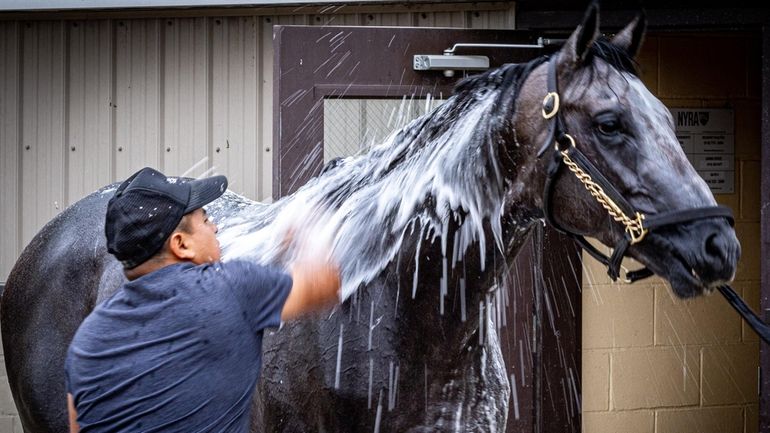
point(653, 363)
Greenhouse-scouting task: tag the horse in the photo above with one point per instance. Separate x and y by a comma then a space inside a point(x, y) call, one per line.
point(421, 226)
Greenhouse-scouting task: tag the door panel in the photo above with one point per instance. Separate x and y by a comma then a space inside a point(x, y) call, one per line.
point(337, 90)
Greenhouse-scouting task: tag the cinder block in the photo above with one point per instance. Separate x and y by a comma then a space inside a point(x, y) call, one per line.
point(748, 128)
point(698, 76)
point(681, 102)
point(17, 428)
point(617, 315)
point(749, 290)
point(749, 264)
point(655, 377)
point(638, 421)
point(706, 319)
point(750, 186)
point(729, 374)
point(648, 63)
point(594, 272)
point(7, 406)
point(733, 201)
point(596, 380)
point(700, 420)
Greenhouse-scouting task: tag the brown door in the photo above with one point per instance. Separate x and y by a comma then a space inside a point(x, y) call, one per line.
point(339, 89)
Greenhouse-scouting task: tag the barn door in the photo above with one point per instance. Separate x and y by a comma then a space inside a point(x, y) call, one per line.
point(340, 89)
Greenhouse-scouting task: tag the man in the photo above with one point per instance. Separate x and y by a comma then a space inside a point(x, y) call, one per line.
point(178, 348)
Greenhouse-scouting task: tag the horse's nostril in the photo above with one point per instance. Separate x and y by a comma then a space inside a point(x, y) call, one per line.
point(715, 246)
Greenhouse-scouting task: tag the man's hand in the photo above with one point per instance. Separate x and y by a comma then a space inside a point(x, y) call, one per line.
point(316, 287)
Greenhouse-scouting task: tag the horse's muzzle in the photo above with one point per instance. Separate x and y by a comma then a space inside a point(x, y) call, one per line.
point(694, 257)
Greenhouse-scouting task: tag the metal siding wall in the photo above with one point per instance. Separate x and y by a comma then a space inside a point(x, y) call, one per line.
point(390, 19)
point(186, 96)
point(235, 105)
point(10, 79)
point(43, 122)
point(128, 93)
point(492, 19)
point(89, 108)
point(138, 96)
point(123, 91)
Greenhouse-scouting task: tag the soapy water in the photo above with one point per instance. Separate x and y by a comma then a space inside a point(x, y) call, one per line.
point(438, 171)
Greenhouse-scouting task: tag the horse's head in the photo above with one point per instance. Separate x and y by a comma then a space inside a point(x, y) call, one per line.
point(611, 154)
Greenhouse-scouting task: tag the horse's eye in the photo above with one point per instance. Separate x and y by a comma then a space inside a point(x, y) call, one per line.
point(608, 125)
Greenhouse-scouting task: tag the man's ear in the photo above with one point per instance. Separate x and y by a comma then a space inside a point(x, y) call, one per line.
point(179, 246)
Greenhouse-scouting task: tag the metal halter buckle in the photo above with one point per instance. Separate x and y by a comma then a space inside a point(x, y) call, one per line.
point(571, 140)
point(635, 229)
point(551, 97)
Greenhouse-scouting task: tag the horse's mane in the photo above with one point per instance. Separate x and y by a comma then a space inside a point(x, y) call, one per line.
point(615, 56)
point(442, 170)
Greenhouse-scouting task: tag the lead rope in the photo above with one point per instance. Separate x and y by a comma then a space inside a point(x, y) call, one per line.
point(618, 208)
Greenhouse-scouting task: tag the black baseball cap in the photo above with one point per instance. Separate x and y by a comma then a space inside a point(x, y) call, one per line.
point(148, 206)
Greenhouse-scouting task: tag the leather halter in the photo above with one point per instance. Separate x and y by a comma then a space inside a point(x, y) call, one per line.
point(637, 225)
point(566, 153)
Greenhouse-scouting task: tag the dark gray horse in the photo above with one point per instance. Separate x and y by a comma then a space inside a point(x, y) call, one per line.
point(421, 226)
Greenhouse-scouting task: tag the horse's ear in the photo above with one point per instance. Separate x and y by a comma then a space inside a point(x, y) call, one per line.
point(630, 38)
point(576, 47)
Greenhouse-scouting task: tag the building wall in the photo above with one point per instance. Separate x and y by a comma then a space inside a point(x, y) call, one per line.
point(651, 362)
point(87, 101)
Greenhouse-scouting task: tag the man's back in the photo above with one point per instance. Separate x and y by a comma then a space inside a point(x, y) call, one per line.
point(178, 349)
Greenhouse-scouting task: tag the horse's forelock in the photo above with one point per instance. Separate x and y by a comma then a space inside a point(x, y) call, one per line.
point(615, 56)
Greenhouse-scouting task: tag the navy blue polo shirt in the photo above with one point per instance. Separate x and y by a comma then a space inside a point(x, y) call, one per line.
point(177, 350)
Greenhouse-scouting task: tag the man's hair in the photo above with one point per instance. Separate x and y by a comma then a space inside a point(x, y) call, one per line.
point(184, 226)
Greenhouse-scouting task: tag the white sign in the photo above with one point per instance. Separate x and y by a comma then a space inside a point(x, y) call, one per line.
point(707, 136)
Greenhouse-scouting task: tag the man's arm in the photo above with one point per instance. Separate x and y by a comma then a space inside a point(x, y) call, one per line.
point(74, 427)
point(316, 286)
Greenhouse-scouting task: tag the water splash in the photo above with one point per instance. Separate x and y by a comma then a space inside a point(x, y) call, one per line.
point(421, 179)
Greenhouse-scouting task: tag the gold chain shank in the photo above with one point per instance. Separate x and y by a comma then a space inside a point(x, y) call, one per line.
point(634, 227)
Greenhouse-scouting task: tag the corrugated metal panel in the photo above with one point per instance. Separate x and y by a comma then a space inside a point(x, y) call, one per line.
point(493, 19)
point(89, 108)
point(186, 97)
point(236, 111)
point(10, 101)
point(43, 125)
point(138, 96)
point(168, 93)
point(442, 19)
point(390, 19)
point(265, 103)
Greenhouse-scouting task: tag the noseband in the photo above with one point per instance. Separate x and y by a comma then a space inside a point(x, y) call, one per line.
point(636, 224)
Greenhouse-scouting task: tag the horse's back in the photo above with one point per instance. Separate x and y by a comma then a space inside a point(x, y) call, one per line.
point(53, 286)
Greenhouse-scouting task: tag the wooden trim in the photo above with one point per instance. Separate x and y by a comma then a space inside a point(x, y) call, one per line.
point(676, 19)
